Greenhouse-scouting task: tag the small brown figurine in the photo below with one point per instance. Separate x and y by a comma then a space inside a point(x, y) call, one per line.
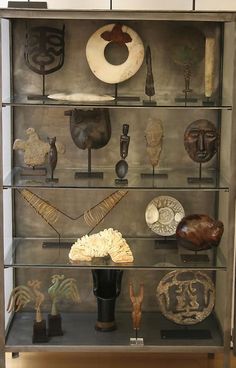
point(52, 159)
point(137, 306)
point(199, 232)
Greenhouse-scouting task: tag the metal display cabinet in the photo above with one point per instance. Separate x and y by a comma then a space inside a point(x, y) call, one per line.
point(23, 258)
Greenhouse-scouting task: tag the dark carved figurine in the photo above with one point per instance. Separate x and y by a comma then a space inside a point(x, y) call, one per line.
point(124, 141)
point(122, 165)
point(201, 140)
point(199, 232)
point(52, 158)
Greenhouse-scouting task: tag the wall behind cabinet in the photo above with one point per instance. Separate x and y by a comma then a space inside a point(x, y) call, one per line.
point(71, 4)
point(215, 5)
point(152, 4)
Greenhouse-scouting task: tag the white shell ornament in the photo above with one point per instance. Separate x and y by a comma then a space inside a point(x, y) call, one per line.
point(98, 64)
point(80, 97)
point(163, 215)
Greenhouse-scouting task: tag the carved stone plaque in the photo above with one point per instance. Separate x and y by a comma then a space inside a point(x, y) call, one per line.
point(163, 215)
point(186, 297)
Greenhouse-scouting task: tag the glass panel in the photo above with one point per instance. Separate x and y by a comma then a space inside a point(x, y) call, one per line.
point(164, 179)
point(80, 332)
point(149, 253)
point(122, 102)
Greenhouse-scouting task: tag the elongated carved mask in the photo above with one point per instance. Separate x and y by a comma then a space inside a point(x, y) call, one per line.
point(154, 138)
point(90, 128)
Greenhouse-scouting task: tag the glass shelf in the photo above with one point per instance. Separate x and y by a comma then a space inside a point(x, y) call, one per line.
point(149, 254)
point(175, 180)
point(80, 334)
point(124, 102)
point(177, 15)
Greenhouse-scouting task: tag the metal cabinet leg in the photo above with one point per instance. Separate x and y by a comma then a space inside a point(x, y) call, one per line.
point(211, 356)
point(15, 355)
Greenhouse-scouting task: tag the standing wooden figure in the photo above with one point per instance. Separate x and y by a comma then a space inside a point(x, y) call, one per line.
point(52, 159)
point(136, 301)
point(122, 165)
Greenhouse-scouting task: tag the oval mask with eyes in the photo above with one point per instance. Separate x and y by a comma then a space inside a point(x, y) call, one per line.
point(201, 140)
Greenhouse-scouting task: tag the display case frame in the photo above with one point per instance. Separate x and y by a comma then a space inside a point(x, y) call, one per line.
point(228, 170)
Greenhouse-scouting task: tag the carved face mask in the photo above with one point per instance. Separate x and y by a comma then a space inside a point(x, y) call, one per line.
point(201, 140)
point(44, 49)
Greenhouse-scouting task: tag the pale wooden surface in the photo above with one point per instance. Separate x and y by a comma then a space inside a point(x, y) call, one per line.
point(62, 360)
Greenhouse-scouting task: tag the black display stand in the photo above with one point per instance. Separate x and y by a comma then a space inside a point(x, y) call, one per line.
point(58, 245)
point(36, 171)
point(166, 243)
point(39, 332)
point(154, 175)
point(194, 258)
point(121, 181)
point(136, 341)
point(200, 179)
point(124, 98)
point(208, 102)
point(149, 102)
point(186, 99)
point(54, 325)
point(89, 174)
point(51, 180)
point(186, 334)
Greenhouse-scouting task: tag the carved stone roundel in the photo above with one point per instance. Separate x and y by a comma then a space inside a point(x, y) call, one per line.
point(186, 297)
point(98, 64)
point(163, 215)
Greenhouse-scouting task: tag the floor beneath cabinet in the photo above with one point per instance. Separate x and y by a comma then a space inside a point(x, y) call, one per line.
point(115, 360)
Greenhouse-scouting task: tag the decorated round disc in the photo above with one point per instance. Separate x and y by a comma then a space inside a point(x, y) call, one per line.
point(186, 297)
point(163, 215)
point(120, 35)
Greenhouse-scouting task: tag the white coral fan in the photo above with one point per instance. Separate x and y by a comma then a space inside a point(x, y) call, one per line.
point(106, 242)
